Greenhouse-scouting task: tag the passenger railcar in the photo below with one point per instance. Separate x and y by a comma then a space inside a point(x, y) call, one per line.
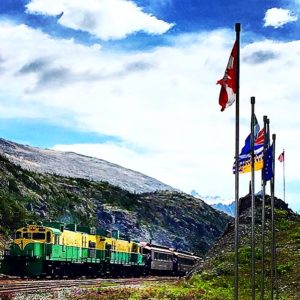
point(185, 261)
point(164, 260)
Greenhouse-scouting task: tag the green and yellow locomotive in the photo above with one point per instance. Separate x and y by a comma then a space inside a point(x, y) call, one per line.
point(58, 250)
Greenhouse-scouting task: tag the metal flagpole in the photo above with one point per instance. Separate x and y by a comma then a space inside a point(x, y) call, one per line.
point(283, 175)
point(252, 201)
point(263, 213)
point(237, 164)
point(273, 247)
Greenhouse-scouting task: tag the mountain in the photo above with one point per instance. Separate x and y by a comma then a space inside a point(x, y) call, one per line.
point(228, 209)
point(168, 218)
point(70, 164)
point(226, 206)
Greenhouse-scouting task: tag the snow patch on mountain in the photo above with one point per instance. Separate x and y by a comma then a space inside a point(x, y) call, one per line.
point(211, 199)
point(226, 206)
point(71, 164)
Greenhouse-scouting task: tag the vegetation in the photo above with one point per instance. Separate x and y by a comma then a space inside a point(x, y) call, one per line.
point(215, 279)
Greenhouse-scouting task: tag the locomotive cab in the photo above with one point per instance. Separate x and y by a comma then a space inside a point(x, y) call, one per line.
point(30, 246)
point(30, 240)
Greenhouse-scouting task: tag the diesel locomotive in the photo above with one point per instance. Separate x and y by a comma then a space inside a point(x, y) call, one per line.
point(59, 250)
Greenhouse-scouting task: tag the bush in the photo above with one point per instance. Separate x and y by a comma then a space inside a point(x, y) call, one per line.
point(284, 268)
point(245, 254)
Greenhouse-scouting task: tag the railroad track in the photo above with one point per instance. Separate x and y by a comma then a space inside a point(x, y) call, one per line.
point(16, 286)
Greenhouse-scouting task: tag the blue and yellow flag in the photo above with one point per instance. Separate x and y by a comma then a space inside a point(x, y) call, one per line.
point(245, 155)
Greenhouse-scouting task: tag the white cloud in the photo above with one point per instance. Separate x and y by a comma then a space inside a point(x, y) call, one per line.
point(161, 103)
point(106, 19)
point(277, 17)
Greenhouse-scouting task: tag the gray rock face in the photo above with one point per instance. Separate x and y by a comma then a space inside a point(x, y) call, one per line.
point(70, 164)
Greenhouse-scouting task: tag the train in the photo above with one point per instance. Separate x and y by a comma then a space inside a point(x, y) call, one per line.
point(61, 250)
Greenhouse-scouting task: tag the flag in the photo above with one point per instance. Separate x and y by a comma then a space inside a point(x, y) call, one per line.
point(246, 149)
point(281, 157)
point(245, 155)
point(268, 164)
point(228, 82)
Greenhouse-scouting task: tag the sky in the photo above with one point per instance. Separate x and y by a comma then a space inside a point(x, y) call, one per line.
point(133, 82)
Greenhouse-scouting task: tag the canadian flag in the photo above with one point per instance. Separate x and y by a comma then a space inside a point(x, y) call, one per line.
point(228, 82)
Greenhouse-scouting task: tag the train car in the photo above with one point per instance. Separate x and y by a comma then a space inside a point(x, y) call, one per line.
point(185, 262)
point(164, 260)
point(121, 257)
point(159, 259)
point(58, 250)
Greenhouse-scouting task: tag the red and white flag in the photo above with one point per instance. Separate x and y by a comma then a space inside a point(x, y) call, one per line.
point(228, 82)
point(281, 157)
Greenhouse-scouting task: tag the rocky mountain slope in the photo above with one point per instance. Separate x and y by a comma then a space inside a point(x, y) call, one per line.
point(166, 217)
point(71, 164)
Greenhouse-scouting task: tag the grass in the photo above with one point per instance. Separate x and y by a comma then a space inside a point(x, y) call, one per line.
point(216, 281)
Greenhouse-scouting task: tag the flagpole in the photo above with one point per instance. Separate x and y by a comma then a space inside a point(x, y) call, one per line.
point(273, 243)
point(263, 213)
point(237, 146)
point(283, 175)
point(252, 201)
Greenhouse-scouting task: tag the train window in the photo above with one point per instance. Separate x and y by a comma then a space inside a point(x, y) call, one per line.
point(92, 244)
point(186, 261)
point(48, 237)
point(27, 235)
point(162, 256)
point(18, 234)
point(38, 236)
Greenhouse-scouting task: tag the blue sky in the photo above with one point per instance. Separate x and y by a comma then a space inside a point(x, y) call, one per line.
point(133, 82)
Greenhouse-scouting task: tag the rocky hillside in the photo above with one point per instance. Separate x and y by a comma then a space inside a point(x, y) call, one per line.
point(169, 218)
point(71, 164)
point(217, 269)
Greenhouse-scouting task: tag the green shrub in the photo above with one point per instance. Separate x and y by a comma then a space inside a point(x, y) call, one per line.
point(284, 268)
point(245, 254)
point(283, 224)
